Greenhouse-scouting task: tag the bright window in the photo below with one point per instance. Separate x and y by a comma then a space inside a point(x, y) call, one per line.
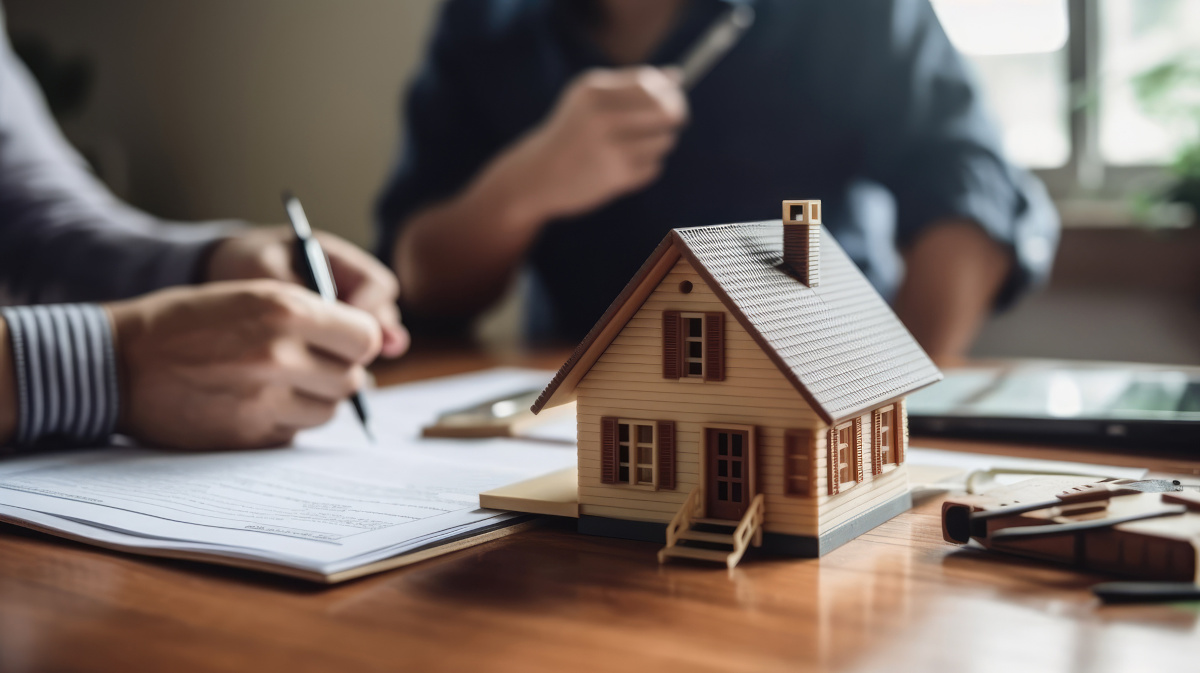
point(1019, 51)
point(1136, 36)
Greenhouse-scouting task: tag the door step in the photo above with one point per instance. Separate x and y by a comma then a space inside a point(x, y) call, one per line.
point(717, 522)
point(702, 536)
point(694, 552)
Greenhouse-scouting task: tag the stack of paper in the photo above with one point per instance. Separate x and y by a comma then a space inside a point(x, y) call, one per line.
point(330, 508)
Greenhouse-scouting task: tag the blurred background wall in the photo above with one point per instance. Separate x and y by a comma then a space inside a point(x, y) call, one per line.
point(206, 108)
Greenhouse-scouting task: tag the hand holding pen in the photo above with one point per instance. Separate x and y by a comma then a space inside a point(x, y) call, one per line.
point(312, 266)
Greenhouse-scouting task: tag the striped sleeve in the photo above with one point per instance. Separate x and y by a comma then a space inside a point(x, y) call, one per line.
point(66, 374)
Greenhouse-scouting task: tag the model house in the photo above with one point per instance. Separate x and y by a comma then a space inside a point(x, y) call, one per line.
point(747, 387)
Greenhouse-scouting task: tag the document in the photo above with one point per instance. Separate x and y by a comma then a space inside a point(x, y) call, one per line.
point(328, 504)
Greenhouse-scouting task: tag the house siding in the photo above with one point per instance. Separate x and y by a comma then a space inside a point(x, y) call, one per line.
point(627, 382)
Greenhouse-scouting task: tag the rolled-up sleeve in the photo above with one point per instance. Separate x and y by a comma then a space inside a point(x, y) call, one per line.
point(63, 235)
point(928, 139)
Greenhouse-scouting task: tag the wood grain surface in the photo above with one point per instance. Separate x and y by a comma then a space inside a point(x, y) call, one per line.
point(896, 599)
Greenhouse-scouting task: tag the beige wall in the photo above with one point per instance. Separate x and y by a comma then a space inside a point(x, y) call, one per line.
point(206, 108)
point(626, 382)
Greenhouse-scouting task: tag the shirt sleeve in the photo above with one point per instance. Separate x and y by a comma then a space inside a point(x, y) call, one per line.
point(444, 142)
point(63, 235)
point(928, 139)
point(65, 369)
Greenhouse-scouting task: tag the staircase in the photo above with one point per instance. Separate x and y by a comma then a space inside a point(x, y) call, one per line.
point(694, 537)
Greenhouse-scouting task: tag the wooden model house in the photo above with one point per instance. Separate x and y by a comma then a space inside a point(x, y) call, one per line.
point(746, 387)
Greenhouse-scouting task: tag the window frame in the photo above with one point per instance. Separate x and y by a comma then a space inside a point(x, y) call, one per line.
point(632, 464)
point(881, 462)
point(853, 449)
point(1086, 175)
point(685, 339)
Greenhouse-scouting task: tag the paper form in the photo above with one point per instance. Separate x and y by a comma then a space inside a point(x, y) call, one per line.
point(329, 502)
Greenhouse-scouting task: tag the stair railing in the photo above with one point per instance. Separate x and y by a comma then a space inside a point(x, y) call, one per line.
point(682, 521)
point(749, 530)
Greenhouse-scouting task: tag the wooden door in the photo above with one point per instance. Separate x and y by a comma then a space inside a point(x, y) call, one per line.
point(728, 490)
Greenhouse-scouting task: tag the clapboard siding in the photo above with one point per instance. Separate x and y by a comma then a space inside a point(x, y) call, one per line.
point(627, 382)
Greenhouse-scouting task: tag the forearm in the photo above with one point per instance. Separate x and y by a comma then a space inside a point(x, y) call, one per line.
point(456, 258)
point(8, 388)
point(954, 270)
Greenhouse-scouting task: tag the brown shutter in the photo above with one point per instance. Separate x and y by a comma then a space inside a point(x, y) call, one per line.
point(608, 450)
point(876, 441)
point(797, 443)
point(858, 449)
point(672, 355)
point(714, 346)
point(666, 455)
point(900, 434)
point(834, 485)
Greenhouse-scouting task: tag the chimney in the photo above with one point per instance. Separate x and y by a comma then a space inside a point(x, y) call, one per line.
point(802, 240)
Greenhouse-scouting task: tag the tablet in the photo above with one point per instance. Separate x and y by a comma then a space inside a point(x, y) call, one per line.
point(1127, 405)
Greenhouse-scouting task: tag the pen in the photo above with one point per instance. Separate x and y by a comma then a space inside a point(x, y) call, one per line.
point(313, 266)
point(715, 43)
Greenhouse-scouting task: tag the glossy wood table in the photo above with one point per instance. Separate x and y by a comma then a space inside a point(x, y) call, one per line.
point(896, 599)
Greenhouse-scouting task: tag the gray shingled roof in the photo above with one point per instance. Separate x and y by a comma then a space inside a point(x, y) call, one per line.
point(839, 342)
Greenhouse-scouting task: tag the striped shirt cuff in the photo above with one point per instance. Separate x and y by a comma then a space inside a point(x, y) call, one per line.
point(66, 374)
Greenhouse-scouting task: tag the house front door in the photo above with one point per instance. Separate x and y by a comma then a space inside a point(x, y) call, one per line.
point(727, 493)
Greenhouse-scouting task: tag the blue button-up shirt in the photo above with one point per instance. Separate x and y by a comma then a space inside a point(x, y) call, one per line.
point(820, 99)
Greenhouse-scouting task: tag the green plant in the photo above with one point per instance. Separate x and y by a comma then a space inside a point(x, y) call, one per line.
point(1171, 93)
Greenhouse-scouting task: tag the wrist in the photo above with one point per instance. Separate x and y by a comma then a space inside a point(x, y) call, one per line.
point(513, 188)
point(126, 323)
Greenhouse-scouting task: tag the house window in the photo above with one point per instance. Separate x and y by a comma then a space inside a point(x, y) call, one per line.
point(886, 435)
point(798, 463)
point(845, 453)
point(693, 345)
point(635, 453)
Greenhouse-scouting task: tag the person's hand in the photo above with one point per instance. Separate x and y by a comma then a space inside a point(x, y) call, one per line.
point(361, 280)
point(608, 135)
point(236, 364)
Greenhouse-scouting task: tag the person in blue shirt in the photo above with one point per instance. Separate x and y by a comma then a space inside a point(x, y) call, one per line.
point(554, 135)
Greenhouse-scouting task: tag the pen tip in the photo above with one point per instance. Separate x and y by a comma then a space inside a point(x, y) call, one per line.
point(370, 435)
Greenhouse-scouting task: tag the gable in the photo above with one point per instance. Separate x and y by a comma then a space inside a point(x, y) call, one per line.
point(838, 344)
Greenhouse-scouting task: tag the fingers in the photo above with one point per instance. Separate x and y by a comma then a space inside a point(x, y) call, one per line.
point(316, 374)
point(370, 286)
point(300, 410)
point(340, 330)
point(635, 100)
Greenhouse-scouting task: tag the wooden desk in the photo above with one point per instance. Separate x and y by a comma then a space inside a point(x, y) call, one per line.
point(896, 599)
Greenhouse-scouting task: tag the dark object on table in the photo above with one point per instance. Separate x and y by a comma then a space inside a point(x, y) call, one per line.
point(1148, 529)
point(1146, 592)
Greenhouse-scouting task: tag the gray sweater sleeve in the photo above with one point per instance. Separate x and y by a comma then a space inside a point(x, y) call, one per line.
point(63, 236)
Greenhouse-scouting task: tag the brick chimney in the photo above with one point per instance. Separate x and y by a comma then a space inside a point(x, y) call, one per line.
point(802, 240)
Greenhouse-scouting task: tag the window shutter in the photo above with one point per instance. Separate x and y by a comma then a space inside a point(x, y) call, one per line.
point(800, 472)
point(834, 486)
point(672, 355)
point(714, 346)
point(666, 455)
point(876, 442)
point(608, 450)
point(900, 435)
point(858, 449)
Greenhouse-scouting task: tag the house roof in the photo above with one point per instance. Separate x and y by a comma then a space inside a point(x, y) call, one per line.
point(839, 343)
